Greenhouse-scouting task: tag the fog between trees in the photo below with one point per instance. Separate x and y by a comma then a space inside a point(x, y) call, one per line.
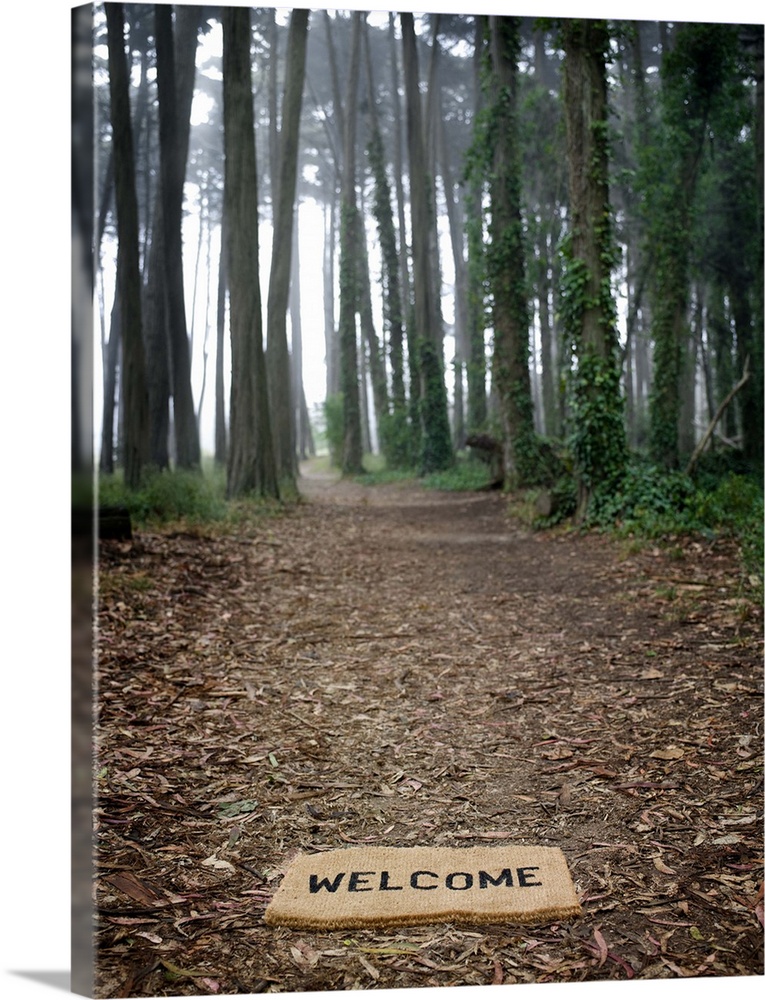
point(546, 231)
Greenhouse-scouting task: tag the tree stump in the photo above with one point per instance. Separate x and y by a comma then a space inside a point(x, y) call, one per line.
point(113, 522)
point(489, 450)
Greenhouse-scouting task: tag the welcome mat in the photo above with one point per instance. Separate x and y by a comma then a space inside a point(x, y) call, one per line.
point(401, 886)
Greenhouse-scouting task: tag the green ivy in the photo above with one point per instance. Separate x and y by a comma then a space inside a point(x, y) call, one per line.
point(597, 411)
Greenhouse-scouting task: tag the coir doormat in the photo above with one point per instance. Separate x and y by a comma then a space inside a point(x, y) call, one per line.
point(401, 886)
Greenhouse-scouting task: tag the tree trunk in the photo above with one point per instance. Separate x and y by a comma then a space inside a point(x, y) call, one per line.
point(456, 221)
point(369, 336)
point(110, 360)
point(436, 449)
point(280, 376)
point(409, 423)
point(302, 428)
point(157, 345)
point(598, 437)
point(349, 281)
point(476, 360)
point(332, 348)
point(175, 88)
point(393, 431)
point(221, 447)
point(128, 271)
point(273, 112)
point(506, 263)
point(251, 465)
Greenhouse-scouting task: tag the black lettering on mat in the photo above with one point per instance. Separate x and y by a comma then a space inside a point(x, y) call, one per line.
point(316, 885)
point(414, 880)
point(485, 880)
point(456, 881)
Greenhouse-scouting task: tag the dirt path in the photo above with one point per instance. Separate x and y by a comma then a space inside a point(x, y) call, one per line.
point(389, 665)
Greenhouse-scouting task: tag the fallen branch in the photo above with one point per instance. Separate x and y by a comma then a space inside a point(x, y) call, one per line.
point(715, 420)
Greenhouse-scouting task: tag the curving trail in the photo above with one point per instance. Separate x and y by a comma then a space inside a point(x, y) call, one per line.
point(395, 666)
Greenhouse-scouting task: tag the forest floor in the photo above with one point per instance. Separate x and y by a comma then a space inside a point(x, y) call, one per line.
point(389, 665)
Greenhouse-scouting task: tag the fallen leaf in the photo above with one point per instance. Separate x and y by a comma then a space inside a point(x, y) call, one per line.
point(229, 809)
point(602, 946)
point(304, 956)
point(373, 972)
point(664, 869)
point(671, 753)
point(138, 889)
point(218, 863)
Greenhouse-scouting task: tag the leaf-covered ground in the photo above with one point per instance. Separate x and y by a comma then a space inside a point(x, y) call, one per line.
point(388, 665)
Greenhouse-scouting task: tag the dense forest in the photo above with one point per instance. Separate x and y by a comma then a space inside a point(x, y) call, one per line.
point(537, 239)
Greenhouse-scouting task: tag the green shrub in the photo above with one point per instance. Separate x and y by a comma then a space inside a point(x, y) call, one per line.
point(734, 507)
point(166, 496)
point(652, 503)
point(649, 500)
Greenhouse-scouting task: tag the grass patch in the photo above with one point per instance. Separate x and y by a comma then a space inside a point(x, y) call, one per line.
point(466, 475)
point(383, 476)
point(195, 500)
point(168, 496)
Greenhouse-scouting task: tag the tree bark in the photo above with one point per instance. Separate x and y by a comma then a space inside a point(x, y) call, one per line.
point(393, 431)
point(349, 280)
point(156, 340)
point(476, 360)
point(506, 262)
point(302, 426)
point(175, 87)
point(128, 271)
point(251, 465)
point(221, 444)
point(279, 373)
point(436, 450)
point(598, 437)
point(331, 345)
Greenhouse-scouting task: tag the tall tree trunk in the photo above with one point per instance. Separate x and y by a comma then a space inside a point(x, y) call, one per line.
point(296, 326)
point(273, 111)
point(206, 221)
point(436, 449)
point(369, 336)
point(349, 280)
point(394, 430)
point(410, 441)
point(128, 272)
point(476, 362)
point(547, 341)
point(430, 131)
point(156, 340)
point(506, 263)
point(598, 437)
point(221, 447)
point(110, 359)
point(280, 377)
point(175, 88)
point(251, 464)
point(332, 348)
point(456, 221)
